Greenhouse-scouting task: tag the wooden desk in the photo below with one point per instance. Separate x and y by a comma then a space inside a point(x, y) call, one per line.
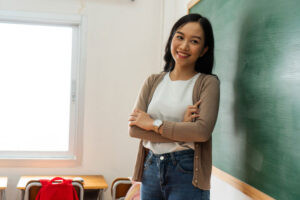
point(91, 182)
point(3, 186)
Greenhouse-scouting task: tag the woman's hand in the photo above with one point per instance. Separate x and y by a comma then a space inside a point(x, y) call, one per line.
point(192, 112)
point(141, 119)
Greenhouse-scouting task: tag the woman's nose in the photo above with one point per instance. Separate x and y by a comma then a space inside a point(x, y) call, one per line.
point(184, 45)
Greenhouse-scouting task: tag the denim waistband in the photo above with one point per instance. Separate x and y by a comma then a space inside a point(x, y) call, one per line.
point(172, 155)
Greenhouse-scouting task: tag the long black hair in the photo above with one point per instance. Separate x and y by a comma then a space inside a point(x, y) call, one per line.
point(205, 63)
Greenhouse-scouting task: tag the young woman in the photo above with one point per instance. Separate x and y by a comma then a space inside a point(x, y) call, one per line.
point(175, 115)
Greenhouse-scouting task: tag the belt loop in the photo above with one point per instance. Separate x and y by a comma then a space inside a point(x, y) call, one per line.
point(173, 158)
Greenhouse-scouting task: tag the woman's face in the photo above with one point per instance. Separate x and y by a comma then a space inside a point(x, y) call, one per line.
point(188, 44)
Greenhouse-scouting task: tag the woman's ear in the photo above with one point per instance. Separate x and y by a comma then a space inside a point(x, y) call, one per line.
point(204, 51)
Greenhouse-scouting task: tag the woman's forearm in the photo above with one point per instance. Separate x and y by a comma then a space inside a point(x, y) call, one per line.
point(137, 132)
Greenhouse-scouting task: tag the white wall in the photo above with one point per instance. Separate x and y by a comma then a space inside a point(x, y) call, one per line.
point(220, 190)
point(123, 48)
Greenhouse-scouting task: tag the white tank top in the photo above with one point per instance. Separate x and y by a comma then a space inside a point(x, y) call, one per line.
point(169, 103)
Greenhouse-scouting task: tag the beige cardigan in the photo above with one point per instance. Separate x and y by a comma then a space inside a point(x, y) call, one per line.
point(207, 88)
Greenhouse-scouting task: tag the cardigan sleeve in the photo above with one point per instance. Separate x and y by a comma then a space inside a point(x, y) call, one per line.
point(202, 128)
point(141, 103)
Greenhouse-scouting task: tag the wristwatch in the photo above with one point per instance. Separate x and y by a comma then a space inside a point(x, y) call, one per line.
point(157, 123)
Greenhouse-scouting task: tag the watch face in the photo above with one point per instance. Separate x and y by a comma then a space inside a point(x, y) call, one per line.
point(157, 122)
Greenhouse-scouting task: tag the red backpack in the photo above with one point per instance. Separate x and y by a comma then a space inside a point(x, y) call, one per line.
point(63, 190)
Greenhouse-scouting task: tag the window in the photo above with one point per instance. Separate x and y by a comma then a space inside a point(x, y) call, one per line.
point(41, 84)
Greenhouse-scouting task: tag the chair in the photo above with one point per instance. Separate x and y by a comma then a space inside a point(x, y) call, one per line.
point(125, 189)
point(33, 187)
point(119, 188)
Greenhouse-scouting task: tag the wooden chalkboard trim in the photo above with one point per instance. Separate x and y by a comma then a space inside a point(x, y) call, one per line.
point(240, 185)
point(191, 4)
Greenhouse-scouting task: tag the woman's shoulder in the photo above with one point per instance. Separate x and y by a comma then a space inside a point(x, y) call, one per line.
point(208, 78)
point(154, 77)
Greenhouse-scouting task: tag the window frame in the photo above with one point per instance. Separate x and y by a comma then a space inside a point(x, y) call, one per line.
point(74, 155)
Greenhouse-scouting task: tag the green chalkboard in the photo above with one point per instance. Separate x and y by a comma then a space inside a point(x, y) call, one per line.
point(257, 52)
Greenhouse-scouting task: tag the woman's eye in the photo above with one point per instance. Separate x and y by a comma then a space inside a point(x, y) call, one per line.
point(195, 42)
point(179, 37)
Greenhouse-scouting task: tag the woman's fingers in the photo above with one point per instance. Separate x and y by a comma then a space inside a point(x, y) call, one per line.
point(197, 103)
point(195, 106)
point(134, 114)
point(137, 110)
point(195, 115)
point(191, 117)
point(192, 110)
point(191, 107)
point(132, 118)
point(132, 123)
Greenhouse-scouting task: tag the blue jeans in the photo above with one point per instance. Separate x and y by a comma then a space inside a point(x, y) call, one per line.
point(169, 177)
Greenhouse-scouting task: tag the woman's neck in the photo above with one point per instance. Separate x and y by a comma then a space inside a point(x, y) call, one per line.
point(182, 74)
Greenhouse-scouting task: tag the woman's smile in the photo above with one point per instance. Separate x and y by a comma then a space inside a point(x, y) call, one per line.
point(182, 55)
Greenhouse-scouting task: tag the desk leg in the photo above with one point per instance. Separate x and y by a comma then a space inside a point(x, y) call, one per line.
point(2, 193)
point(100, 195)
point(21, 195)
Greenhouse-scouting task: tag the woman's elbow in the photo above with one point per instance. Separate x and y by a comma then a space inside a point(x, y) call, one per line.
point(204, 135)
point(132, 131)
point(204, 131)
